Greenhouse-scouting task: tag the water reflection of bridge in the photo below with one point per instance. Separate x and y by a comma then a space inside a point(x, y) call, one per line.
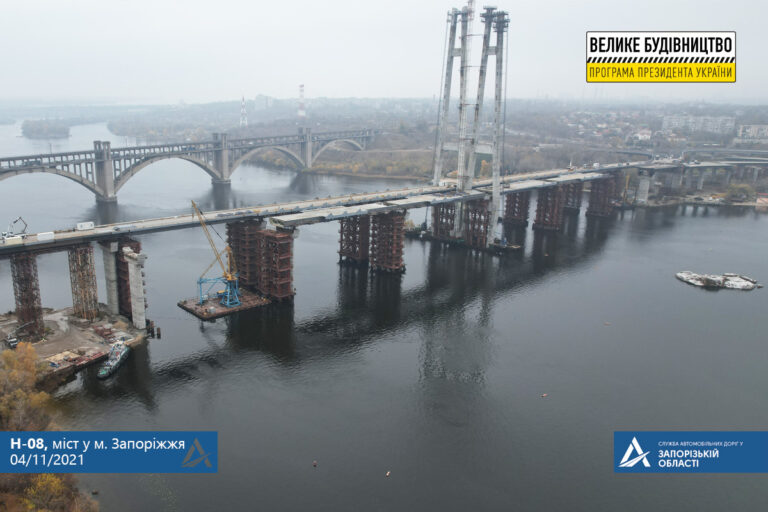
point(370, 306)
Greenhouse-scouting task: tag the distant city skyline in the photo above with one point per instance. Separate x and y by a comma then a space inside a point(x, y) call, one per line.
point(154, 52)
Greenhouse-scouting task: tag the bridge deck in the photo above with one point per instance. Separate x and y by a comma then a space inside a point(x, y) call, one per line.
point(311, 211)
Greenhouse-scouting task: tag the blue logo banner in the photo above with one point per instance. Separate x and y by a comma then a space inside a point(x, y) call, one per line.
point(109, 452)
point(690, 452)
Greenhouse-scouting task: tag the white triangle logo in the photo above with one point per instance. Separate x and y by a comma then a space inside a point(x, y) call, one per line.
point(634, 446)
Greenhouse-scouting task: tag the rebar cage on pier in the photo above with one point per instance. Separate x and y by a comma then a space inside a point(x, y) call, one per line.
point(549, 211)
point(26, 291)
point(387, 234)
point(516, 207)
point(82, 276)
point(354, 239)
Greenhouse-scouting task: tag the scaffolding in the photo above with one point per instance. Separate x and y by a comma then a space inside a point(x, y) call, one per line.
point(82, 276)
point(354, 239)
point(549, 211)
point(264, 258)
point(387, 234)
point(572, 196)
point(244, 239)
point(476, 221)
point(26, 291)
point(516, 207)
point(276, 279)
point(443, 217)
point(123, 277)
point(601, 197)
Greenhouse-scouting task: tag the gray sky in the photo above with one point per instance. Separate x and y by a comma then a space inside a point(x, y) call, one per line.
point(199, 51)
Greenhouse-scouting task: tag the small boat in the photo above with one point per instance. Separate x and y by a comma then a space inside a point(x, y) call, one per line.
point(117, 354)
point(714, 281)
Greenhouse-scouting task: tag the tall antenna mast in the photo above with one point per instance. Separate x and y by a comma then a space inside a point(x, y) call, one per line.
point(243, 113)
point(302, 110)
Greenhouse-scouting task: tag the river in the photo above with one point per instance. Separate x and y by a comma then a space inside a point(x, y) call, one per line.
point(436, 377)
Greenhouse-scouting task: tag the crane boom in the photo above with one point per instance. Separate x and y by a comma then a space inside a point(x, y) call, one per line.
point(224, 269)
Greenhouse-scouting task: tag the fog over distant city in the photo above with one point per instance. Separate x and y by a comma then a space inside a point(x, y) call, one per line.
point(158, 51)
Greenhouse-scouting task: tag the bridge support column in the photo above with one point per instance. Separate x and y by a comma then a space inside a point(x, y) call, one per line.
point(727, 175)
point(476, 222)
point(354, 239)
point(549, 209)
point(26, 291)
point(221, 159)
point(443, 217)
point(516, 207)
point(387, 234)
point(755, 174)
point(109, 254)
point(306, 147)
point(127, 270)
point(104, 172)
point(700, 179)
point(82, 277)
point(572, 196)
point(135, 263)
point(643, 187)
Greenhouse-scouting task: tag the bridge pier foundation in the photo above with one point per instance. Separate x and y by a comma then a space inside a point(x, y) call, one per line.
point(109, 255)
point(82, 277)
point(387, 235)
point(26, 291)
point(516, 208)
point(354, 239)
point(549, 209)
point(601, 197)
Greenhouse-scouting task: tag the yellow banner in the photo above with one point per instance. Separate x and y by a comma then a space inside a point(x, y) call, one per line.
point(661, 72)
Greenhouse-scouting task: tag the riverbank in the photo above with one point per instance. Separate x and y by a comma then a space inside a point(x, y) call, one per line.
point(72, 344)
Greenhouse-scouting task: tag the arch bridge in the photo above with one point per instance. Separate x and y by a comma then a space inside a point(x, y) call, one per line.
point(104, 170)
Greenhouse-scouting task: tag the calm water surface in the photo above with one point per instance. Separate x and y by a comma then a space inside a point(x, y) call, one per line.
point(436, 376)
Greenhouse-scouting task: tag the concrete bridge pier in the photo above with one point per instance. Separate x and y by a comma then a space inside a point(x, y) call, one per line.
point(104, 172)
point(643, 189)
point(221, 160)
point(109, 255)
point(387, 236)
point(305, 149)
point(135, 264)
point(354, 239)
point(700, 179)
point(726, 177)
point(549, 209)
point(26, 291)
point(755, 174)
point(131, 295)
point(82, 277)
point(516, 208)
point(601, 197)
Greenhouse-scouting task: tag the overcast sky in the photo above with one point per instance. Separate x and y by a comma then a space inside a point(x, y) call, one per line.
point(163, 51)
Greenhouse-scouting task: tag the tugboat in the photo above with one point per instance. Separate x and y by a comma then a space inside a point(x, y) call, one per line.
point(712, 281)
point(117, 354)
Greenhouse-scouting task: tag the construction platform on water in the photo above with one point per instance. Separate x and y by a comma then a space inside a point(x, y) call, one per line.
point(212, 308)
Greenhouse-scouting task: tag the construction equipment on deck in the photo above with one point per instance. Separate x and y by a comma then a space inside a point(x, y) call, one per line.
point(230, 295)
